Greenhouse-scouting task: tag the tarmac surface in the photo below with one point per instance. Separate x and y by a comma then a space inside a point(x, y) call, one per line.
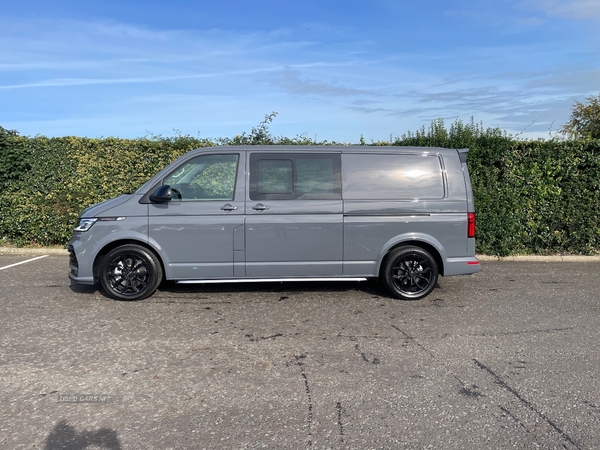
point(506, 358)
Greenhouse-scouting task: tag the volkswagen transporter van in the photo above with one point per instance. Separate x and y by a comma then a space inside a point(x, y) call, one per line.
point(404, 215)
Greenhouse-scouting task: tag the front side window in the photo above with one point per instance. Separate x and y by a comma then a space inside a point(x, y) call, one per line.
point(295, 176)
point(207, 177)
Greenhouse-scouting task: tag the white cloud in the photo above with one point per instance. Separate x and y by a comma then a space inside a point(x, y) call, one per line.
point(291, 82)
point(573, 9)
point(120, 30)
point(100, 81)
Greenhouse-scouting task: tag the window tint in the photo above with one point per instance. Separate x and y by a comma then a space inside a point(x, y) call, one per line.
point(207, 177)
point(275, 176)
point(315, 176)
point(294, 176)
point(392, 177)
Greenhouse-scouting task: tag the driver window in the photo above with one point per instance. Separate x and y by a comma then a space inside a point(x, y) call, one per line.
point(207, 177)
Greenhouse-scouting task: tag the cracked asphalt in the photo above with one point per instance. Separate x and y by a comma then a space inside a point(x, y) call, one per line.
point(507, 358)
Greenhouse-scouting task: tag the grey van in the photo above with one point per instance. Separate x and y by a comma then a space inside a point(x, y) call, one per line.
point(404, 215)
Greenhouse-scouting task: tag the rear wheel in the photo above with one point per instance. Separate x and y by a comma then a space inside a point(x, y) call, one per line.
point(410, 273)
point(130, 272)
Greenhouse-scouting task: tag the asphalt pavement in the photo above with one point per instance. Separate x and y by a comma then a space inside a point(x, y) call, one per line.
point(506, 358)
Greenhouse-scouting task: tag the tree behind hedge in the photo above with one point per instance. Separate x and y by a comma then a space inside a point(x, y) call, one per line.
point(584, 122)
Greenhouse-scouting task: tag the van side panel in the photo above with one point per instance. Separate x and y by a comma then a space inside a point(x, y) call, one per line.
point(293, 245)
point(367, 239)
point(406, 198)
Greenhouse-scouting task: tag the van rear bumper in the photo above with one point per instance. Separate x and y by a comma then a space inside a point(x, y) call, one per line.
point(461, 266)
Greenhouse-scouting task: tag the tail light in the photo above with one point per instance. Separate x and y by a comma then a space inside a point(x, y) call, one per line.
point(471, 225)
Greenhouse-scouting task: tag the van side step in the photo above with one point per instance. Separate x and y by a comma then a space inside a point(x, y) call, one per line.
point(264, 280)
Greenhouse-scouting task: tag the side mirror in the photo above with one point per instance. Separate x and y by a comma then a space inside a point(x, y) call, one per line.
point(162, 194)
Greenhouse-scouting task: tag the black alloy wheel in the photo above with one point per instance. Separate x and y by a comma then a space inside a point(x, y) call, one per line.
point(130, 272)
point(410, 273)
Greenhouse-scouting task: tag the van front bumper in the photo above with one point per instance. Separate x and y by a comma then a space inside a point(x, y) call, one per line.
point(79, 273)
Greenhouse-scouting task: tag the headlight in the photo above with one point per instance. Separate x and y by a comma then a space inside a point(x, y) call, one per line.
point(85, 224)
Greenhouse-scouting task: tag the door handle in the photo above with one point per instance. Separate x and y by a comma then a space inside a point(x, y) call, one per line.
point(228, 207)
point(260, 207)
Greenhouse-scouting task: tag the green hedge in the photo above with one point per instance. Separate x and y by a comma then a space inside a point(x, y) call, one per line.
point(530, 196)
point(40, 203)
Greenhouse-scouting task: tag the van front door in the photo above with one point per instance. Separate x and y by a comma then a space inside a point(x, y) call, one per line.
point(294, 218)
point(196, 230)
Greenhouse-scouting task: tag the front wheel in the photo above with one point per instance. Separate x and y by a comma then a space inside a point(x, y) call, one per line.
point(130, 272)
point(410, 273)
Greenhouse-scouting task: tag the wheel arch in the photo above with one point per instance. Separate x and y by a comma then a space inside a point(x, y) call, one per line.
point(415, 242)
point(114, 244)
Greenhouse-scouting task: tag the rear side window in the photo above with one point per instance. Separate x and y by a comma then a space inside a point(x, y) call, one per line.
point(275, 176)
point(284, 176)
point(392, 177)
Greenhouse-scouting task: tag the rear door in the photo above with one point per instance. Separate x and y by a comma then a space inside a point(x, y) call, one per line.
point(294, 221)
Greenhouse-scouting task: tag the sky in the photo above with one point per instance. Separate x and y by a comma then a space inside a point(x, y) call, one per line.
point(332, 70)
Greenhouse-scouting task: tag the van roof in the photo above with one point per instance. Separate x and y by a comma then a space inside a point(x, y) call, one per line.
point(336, 148)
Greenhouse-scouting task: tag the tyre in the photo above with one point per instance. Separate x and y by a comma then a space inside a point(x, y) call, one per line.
point(410, 273)
point(130, 272)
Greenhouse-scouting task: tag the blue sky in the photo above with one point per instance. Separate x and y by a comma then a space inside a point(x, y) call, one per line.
point(331, 69)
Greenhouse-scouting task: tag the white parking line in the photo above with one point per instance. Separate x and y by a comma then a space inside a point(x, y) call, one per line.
point(22, 262)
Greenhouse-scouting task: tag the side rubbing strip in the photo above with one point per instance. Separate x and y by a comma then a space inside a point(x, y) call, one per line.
point(266, 280)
